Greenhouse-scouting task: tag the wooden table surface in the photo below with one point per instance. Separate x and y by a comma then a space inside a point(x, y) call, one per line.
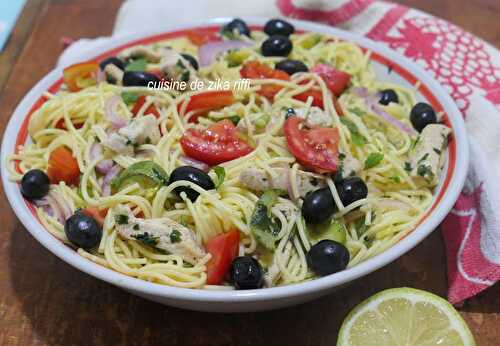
point(45, 301)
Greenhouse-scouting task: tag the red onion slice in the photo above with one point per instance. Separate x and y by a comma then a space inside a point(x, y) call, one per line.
point(106, 181)
point(112, 115)
point(209, 51)
point(194, 163)
point(372, 102)
point(103, 166)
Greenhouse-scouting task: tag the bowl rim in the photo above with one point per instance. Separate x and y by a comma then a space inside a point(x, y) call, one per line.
point(432, 219)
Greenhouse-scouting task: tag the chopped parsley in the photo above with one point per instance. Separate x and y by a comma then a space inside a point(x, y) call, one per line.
point(146, 239)
point(437, 151)
point(136, 227)
point(234, 119)
point(425, 172)
point(175, 236)
point(221, 174)
point(339, 175)
point(147, 140)
point(180, 64)
point(121, 219)
point(356, 137)
point(373, 159)
point(408, 167)
point(341, 156)
point(424, 157)
point(185, 76)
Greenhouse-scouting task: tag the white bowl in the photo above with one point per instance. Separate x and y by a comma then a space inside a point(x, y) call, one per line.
point(404, 72)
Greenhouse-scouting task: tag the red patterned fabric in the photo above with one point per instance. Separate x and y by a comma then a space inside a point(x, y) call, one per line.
point(465, 66)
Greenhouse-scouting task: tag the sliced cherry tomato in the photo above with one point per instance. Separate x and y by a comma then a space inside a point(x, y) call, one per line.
point(335, 80)
point(223, 248)
point(315, 148)
point(219, 143)
point(317, 96)
point(96, 213)
point(63, 167)
point(150, 110)
point(207, 101)
point(61, 125)
point(81, 75)
point(258, 70)
point(200, 37)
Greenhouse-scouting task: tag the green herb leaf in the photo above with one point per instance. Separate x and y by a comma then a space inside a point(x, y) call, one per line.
point(234, 119)
point(264, 227)
point(221, 174)
point(437, 151)
point(373, 159)
point(358, 139)
point(175, 236)
point(137, 65)
point(349, 124)
point(129, 98)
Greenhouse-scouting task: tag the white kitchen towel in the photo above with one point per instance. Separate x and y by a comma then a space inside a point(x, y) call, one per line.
point(467, 67)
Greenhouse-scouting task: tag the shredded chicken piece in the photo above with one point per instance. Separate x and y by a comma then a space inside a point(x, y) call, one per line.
point(350, 166)
point(316, 117)
point(113, 72)
point(259, 180)
point(427, 157)
point(140, 131)
point(161, 233)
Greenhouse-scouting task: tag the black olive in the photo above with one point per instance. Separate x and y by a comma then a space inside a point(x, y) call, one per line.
point(351, 190)
point(246, 273)
point(192, 61)
point(194, 175)
point(83, 230)
point(291, 66)
point(422, 115)
point(290, 112)
point(237, 25)
point(134, 78)
point(112, 60)
point(387, 96)
point(276, 45)
point(35, 184)
point(278, 27)
point(327, 257)
point(318, 206)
